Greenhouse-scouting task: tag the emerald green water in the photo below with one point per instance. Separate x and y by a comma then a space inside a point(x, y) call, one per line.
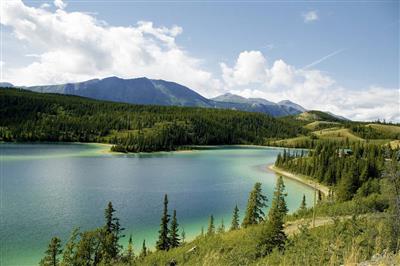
point(48, 189)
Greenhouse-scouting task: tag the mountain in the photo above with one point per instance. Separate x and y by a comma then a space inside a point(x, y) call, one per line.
point(233, 101)
point(6, 85)
point(135, 91)
point(160, 92)
point(291, 107)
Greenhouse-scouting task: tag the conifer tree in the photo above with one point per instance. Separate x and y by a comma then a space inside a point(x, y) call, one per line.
point(303, 205)
point(52, 253)
point(255, 204)
point(211, 227)
point(221, 228)
point(277, 213)
point(235, 219)
point(183, 236)
point(163, 242)
point(113, 233)
point(174, 232)
point(130, 255)
point(69, 253)
point(143, 253)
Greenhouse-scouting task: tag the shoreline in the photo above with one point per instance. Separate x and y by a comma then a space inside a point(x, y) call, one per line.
point(301, 179)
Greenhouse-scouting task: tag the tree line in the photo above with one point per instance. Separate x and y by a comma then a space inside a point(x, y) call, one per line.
point(101, 246)
point(352, 169)
point(30, 116)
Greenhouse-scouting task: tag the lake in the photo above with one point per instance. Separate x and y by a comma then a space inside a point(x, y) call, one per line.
point(48, 189)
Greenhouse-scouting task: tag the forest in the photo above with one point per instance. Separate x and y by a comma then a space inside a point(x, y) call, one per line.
point(28, 116)
point(350, 170)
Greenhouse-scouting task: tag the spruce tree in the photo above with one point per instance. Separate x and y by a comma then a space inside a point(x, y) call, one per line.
point(235, 219)
point(174, 232)
point(183, 236)
point(52, 253)
point(130, 255)
point(221, 228)
point(113, 233)
point(69, 253)
point(143, 253)
point(303, 205)
point(255, 204)
point(277, 213)
point(211, 227)
point(163, 242)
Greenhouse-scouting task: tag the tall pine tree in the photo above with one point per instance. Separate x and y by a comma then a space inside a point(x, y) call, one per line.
point(211, 227)
point(277, 213)
point(303, 205)
point(52, 253)
point(163, 242)
point(113, 232)
point(130, 255)
point(144, 252)
point(235, 219)
point(256, 203)
point(174, 232)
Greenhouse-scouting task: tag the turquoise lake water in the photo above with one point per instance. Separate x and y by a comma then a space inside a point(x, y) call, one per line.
point(48, 189)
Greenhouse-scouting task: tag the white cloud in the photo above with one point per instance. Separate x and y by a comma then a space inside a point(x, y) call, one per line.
point(249, 68)
point(75, 46)
point(314, 90)
point(60, 4)
point(310, 16)
point(44, 5)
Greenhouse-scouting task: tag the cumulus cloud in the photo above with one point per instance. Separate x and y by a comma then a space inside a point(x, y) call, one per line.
point(310, 16)
point(60, 4)
point(76, 46)
point(249, 68)
point(313, 89)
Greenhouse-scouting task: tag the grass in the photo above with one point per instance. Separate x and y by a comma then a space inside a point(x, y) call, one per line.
point(394, 144)
point(308, 116)
point(337, 134)
point(385, 128)
point(291, 142)
point(316, 125)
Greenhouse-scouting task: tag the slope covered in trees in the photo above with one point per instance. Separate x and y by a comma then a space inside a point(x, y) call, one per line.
point(30, 116)
point(355, 169)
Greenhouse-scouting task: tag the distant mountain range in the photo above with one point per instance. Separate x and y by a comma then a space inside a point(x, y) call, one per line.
point(160, 92)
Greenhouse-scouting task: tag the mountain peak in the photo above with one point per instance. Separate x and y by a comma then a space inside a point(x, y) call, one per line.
point(6, 85)
point(291, 105)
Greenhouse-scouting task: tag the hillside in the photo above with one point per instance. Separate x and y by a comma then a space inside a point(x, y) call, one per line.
point(159, 92)
point(323, 126)
point(30, 116)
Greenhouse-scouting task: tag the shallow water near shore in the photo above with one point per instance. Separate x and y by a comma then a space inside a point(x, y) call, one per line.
point(48, 189)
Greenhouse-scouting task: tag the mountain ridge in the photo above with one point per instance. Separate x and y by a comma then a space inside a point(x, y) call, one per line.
point(160, 92)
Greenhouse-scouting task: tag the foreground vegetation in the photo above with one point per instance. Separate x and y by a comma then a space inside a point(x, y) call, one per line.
point(347, 232)
point(30, 116)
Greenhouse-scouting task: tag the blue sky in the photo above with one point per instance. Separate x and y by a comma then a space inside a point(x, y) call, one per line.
point(352, 46)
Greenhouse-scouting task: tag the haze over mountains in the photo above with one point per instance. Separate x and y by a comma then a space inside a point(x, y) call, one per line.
point(160, 92)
